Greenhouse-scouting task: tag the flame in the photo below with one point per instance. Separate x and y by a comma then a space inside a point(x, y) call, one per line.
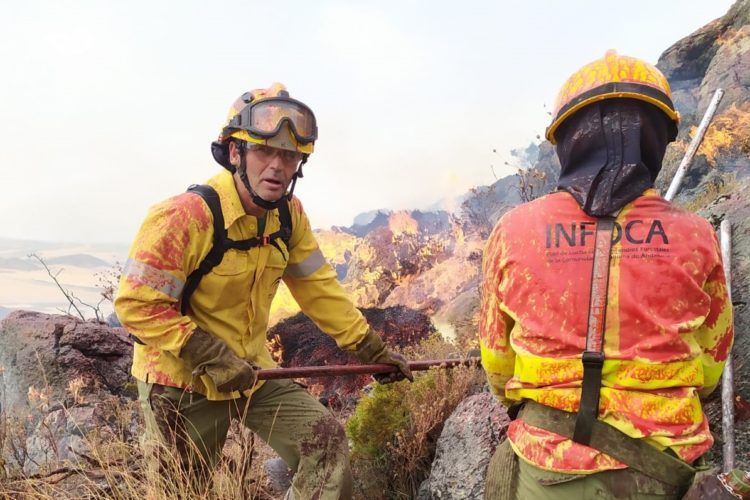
point(336, 246)
point(728, 131)
point(403, 265)
point(276, 349)
point(283, 305)
point(402, 222)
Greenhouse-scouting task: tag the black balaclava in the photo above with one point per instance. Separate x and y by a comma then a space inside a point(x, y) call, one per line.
point(610, 152)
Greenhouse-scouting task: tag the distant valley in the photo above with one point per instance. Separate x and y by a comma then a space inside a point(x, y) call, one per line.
point(80, 268)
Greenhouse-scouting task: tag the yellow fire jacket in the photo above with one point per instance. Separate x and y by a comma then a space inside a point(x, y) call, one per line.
point(233, 301)
point(668, 324)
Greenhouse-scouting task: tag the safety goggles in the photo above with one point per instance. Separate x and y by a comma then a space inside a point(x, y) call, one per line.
point(265, 117)
point(265, 153)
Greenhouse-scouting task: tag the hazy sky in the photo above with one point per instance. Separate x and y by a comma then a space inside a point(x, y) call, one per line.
point(108, 107)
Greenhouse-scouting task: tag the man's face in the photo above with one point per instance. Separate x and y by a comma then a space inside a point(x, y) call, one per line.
point(270, 170)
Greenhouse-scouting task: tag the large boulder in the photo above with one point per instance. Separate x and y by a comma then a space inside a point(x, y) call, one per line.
point(62, 380)
point(469, 439)
point(48, 353)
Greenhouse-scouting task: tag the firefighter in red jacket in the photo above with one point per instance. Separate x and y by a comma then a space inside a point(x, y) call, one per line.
point(647, 312)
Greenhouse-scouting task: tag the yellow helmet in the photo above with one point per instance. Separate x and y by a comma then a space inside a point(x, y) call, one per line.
point(613, 76)
point(271, 118)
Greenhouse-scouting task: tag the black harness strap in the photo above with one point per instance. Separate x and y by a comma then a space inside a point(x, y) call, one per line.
point(222, 243)
point(285, 231)
point(593, 356)
point(216, 254)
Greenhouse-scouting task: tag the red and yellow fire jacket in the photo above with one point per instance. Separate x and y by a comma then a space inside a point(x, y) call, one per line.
point(668, 324)
point(233, 301)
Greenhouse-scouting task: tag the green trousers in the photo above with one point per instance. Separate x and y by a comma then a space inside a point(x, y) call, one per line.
point(535, 483)
point(509, 477)
point(282, 413)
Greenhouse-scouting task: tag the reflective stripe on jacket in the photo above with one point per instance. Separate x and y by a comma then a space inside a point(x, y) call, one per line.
point(668, 324)
point(232, 301)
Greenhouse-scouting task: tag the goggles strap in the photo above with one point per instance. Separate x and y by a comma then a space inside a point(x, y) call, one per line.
point(297, 175)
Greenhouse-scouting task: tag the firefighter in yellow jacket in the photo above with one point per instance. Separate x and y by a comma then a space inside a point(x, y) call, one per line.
point(609, 349)
point(196, 294)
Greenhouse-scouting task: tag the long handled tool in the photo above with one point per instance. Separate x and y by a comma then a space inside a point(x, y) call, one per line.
point(341, 370)
point(694, 144)
point(727, 378)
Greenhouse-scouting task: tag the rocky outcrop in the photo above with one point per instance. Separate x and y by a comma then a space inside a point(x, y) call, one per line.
point(715, 56)
point(63, 380)
point(48, 353)
point(736, 208)
point(468, 441)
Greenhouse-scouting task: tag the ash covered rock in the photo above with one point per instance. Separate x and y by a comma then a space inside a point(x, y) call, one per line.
point(300, 343)
point(63, 380)
point(469, 439)
point(49, 352)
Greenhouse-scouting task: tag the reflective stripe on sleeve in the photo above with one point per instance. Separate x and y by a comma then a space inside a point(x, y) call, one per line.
point(312, 263)
point(152, 277)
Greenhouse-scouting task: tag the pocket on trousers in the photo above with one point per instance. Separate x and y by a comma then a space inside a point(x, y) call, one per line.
point(165, 411)
point(549, 478)
point(152, 431)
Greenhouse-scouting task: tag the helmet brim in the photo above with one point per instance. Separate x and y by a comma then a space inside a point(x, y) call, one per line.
point(615, 90)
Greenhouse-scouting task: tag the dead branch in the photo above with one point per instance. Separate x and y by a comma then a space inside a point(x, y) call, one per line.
point(66, 293)
point(67, 471)
point(70, 296)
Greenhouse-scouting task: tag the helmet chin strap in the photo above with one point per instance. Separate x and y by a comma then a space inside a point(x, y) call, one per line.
point(261, 202)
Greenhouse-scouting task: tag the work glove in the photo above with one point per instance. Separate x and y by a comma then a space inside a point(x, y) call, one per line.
point(372, 350)
point(209, 355)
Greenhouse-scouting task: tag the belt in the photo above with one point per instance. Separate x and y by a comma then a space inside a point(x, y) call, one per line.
point(635, 453)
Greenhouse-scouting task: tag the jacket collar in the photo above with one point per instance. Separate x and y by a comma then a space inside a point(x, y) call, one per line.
point(231, 206)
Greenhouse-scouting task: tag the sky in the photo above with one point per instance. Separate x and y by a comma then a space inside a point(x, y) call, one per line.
point(108, 107)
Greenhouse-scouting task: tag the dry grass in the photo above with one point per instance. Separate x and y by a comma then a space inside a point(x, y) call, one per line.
point(394, 430)
point(111, 464)
point(118, 469)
